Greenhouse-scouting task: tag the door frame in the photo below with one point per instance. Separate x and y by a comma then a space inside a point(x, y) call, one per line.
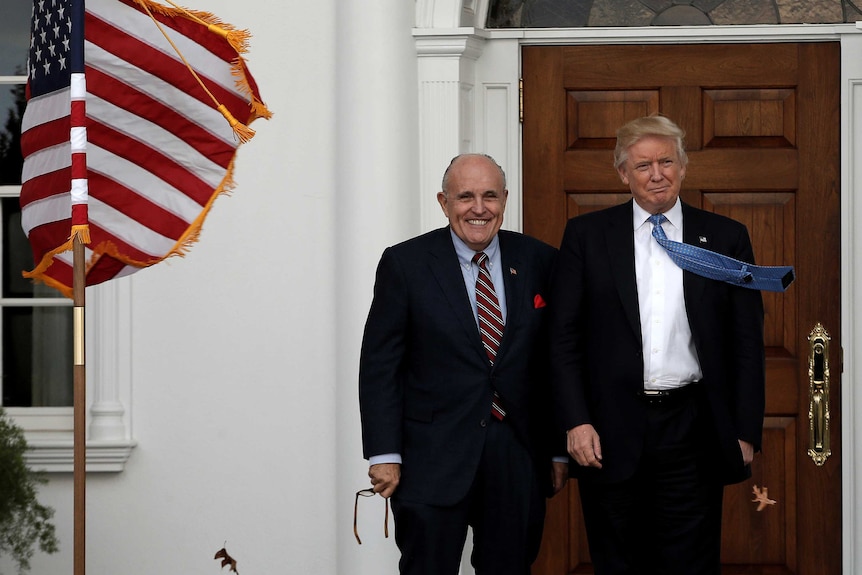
point(469, 100)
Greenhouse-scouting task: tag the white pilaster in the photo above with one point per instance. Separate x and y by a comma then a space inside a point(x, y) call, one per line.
point(447, 108)
point(110, 364)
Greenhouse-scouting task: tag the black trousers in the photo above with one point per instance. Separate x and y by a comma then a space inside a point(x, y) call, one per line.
point(505, 507)
point(666, 519)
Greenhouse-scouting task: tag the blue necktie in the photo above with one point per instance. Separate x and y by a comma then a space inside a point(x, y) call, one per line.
point(720, 267)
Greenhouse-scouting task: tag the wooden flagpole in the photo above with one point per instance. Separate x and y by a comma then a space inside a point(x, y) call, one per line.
point(79, 418)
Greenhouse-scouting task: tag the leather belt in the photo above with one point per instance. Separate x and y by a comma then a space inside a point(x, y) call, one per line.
point(654, 396)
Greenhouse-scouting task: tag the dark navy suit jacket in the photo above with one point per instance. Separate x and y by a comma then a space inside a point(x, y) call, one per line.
point(425, 383)
point(596, 349)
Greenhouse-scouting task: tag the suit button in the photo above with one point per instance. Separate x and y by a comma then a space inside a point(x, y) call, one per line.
point(483, 423)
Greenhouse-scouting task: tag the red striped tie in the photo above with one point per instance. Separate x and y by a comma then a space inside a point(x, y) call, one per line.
point(490, 319)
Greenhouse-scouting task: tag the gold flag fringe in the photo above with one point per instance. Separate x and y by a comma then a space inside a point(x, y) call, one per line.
point(238, 39)
point(258, 108)
point(81, 231)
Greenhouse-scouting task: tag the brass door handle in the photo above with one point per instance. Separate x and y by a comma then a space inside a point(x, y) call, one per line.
point(818, 395)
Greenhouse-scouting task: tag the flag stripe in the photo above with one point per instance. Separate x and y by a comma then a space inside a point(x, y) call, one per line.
point(190, 29)
point(46, 108)
point(110, 98)
point(49, 159)
point(144, 87)
point(109, 120)
point(140, 86)
point(124, 159)
point(190, 37)
point(144, 243)
point(151, 51)
point(148, 213)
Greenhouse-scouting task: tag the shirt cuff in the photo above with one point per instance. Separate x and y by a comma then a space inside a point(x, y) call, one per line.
point(384, 458)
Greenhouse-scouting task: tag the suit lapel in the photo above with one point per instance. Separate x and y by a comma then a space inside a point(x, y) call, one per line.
point(619, 236)
point(692, 232)
point(446, 270)
point(513, 285)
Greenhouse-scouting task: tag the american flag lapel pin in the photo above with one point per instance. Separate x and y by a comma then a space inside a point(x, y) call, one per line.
point(702, 239)
point(513, 271)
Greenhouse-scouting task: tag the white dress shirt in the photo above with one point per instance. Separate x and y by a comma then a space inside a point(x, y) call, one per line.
point(670, 359)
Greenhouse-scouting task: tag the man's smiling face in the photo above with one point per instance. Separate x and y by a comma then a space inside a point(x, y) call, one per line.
point(474, 200)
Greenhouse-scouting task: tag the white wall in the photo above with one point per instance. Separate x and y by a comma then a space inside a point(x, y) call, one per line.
point(244, 353)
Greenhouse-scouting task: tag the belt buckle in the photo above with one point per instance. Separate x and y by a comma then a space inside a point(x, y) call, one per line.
point(654, 395)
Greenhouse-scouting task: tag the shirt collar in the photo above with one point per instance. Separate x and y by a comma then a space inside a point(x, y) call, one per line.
point(673, 215)
point(465, 253)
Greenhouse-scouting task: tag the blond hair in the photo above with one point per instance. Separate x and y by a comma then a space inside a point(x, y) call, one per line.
point(654, 125)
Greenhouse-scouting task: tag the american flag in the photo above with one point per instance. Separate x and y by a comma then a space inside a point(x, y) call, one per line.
point(120, 140)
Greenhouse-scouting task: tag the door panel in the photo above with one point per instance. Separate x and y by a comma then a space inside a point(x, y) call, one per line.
point(763, 143)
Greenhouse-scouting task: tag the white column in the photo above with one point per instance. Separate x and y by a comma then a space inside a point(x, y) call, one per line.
point(448, 108)
point(376, 206)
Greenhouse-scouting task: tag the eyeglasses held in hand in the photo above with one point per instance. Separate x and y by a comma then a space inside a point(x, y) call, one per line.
point(369, 493)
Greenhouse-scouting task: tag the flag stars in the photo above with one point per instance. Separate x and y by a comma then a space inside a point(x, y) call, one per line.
point(47, 66)
point(62, 62)
point(52, 49)
point(56, 30)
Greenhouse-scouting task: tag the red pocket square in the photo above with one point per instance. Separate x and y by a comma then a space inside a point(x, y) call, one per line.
point(538, 301)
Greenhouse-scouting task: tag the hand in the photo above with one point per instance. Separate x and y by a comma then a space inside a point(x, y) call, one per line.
point(559, 475)
point(584, 446)
point(385, 478)
point(747, 451)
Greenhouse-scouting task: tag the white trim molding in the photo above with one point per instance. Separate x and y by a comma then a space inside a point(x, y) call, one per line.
point(851, 306)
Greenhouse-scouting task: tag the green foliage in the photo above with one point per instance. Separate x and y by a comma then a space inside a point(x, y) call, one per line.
point(23, 521)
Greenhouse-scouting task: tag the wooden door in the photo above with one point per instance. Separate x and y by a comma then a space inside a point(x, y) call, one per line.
point(762, 125)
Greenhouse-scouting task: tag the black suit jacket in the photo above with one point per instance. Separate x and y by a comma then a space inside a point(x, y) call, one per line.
point(596, 349)
point(425, 383)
